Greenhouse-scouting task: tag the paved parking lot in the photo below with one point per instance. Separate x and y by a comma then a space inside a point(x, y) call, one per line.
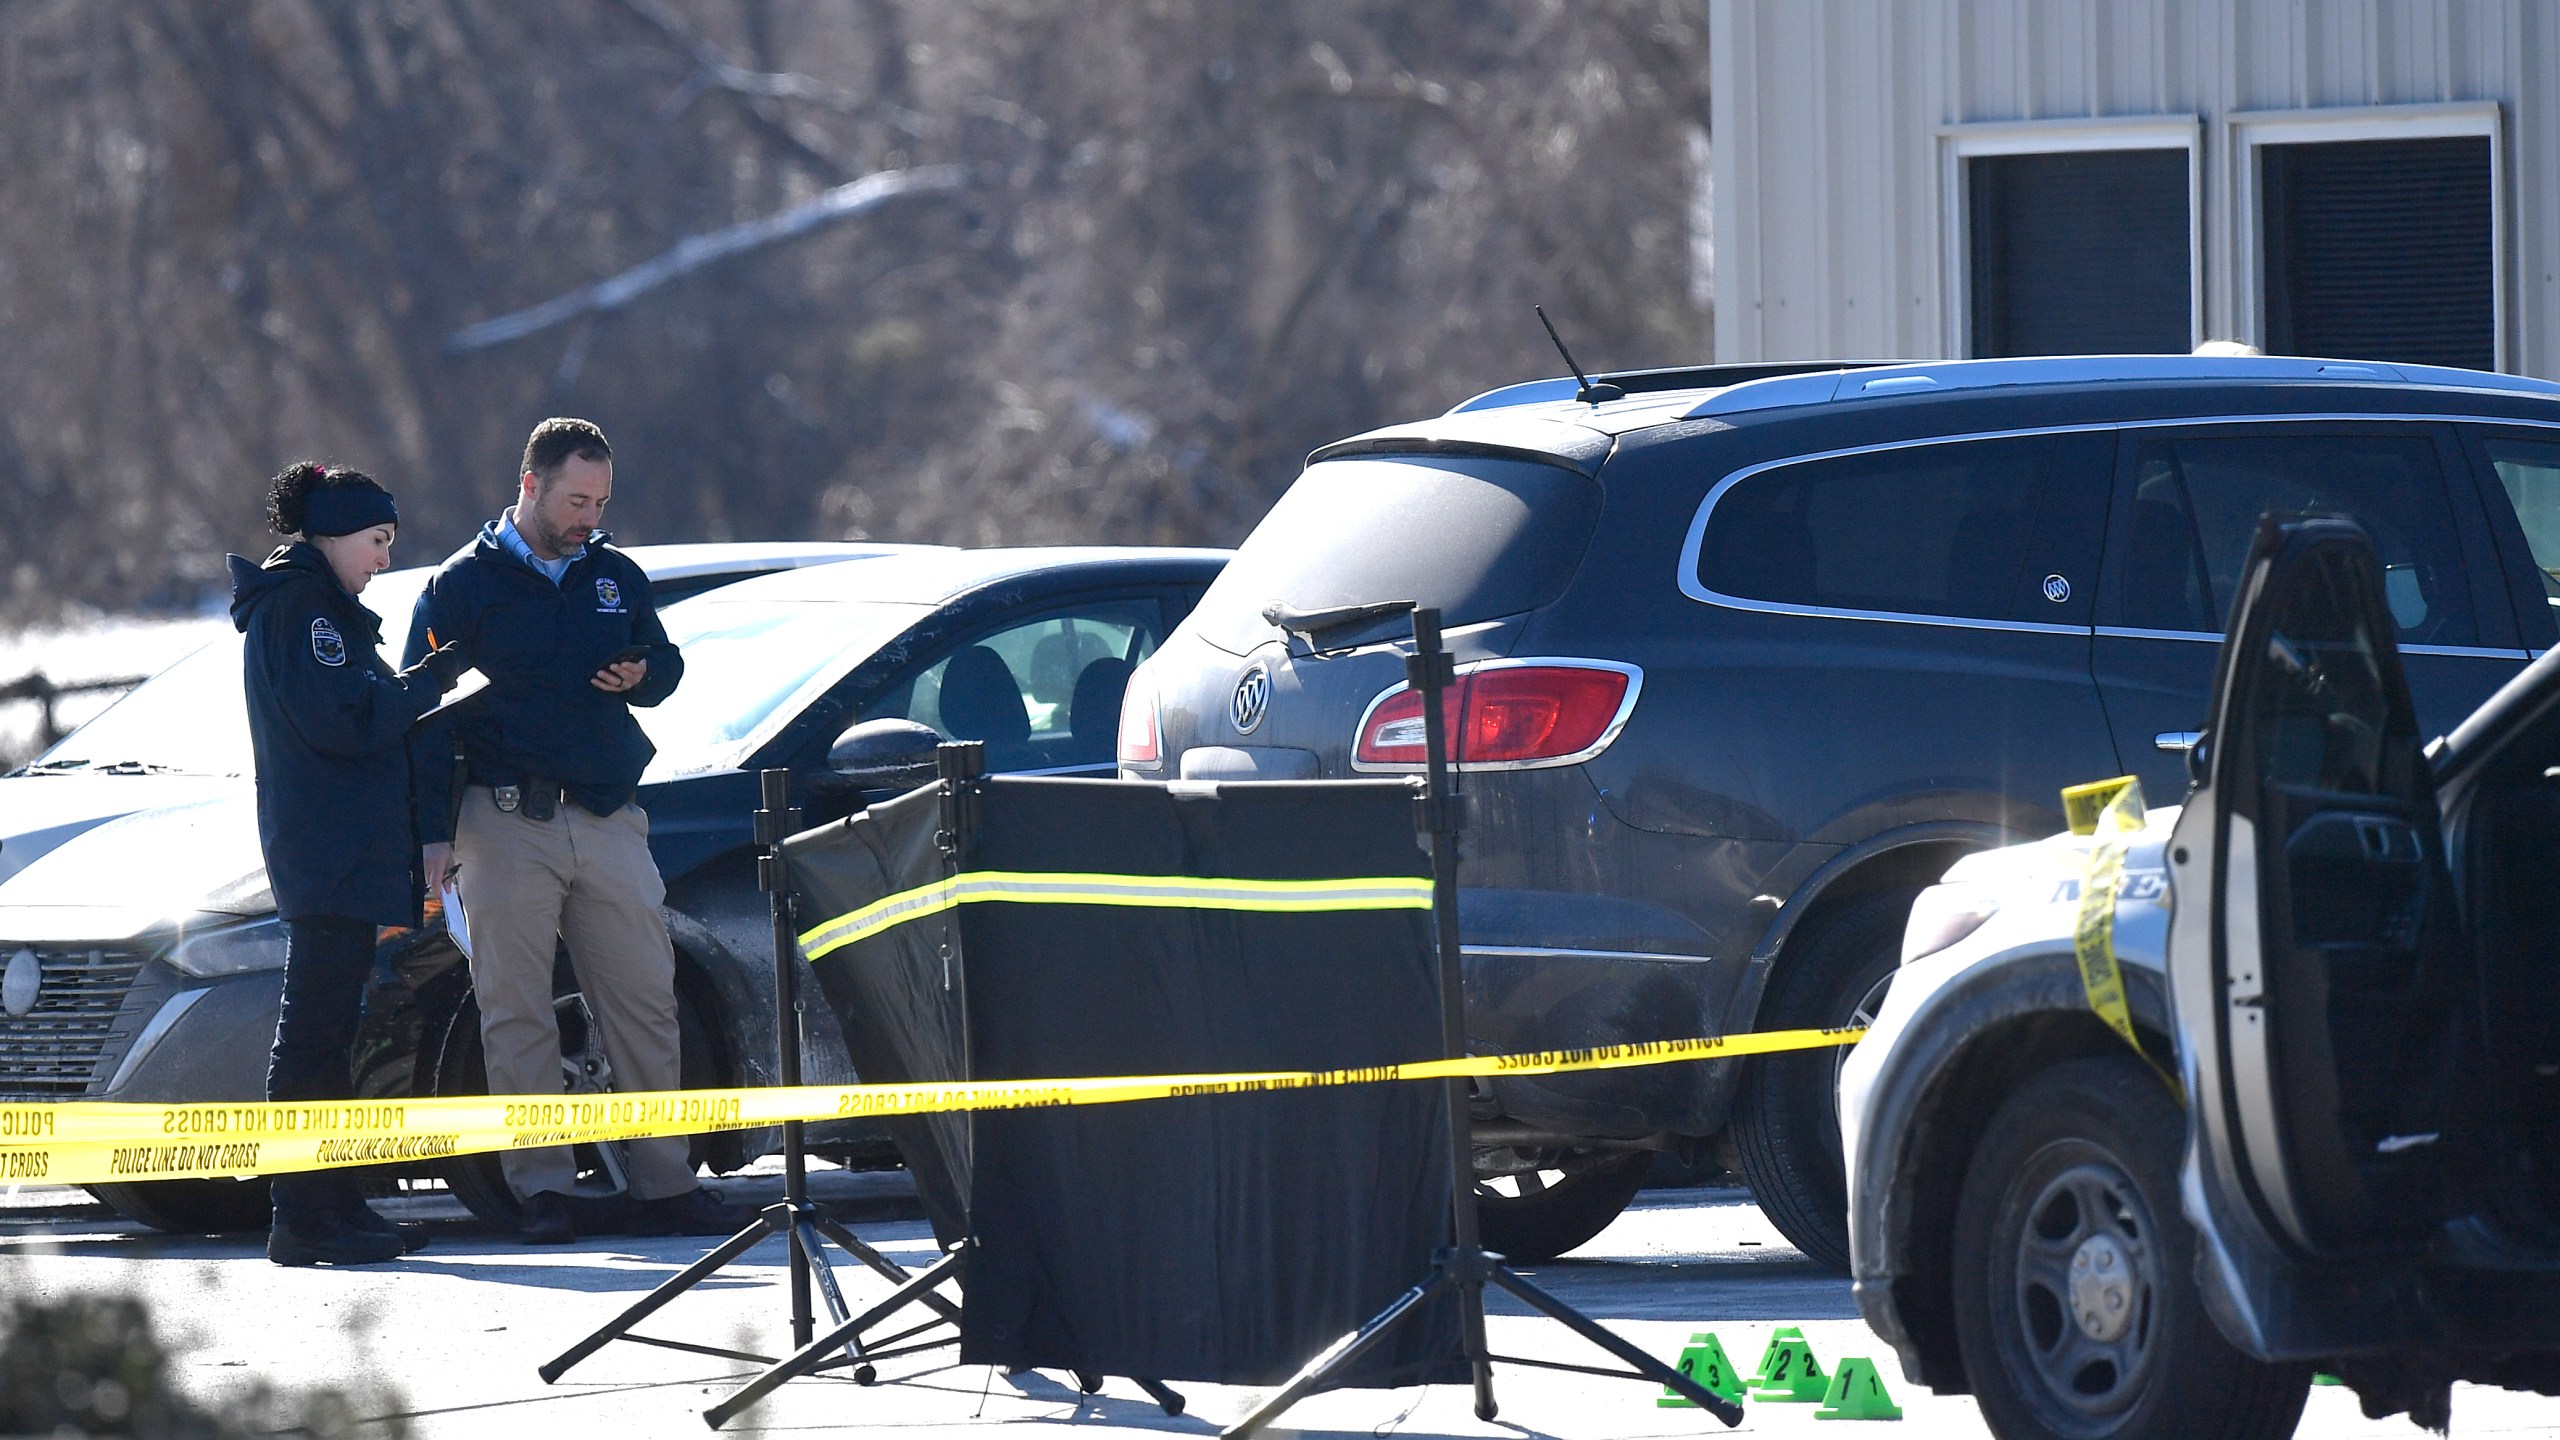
point(456, 1331)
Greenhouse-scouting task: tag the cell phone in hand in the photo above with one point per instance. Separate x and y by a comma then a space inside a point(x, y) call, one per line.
point(627, 655)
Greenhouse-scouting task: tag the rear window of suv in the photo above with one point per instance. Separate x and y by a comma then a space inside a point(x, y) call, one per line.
point(1935, 529)
point(1478, 537)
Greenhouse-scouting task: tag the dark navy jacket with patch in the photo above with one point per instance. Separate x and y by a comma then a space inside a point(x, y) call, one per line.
point(540, 644)
point(327, 720)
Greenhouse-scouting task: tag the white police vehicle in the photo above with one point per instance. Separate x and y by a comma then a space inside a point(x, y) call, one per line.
point(2345, 949)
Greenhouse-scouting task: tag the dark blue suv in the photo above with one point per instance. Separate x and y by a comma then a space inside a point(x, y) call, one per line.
point(1750, 655)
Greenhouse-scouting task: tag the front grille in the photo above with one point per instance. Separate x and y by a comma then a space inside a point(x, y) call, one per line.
point(54, 1051)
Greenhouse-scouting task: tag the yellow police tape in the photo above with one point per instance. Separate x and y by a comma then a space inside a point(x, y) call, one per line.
point(93, 1142)
point(2111, 811)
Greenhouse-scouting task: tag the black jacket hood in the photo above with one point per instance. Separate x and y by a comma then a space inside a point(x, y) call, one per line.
point(290, 565)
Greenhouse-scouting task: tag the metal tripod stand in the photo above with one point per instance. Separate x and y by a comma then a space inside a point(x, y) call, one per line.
point(1464, 1265)
point(794, 1217)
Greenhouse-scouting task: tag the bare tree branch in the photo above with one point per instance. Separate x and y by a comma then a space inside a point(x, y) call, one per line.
point(695, 251)
point(783, 85)
point(712, 70)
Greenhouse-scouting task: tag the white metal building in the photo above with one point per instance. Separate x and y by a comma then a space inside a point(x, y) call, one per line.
point(1938, 178)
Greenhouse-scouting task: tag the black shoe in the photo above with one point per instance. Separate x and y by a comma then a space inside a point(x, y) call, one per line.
point(328, 1239)
point(366, 1220)
point(695, 1212)
point(546, 1220)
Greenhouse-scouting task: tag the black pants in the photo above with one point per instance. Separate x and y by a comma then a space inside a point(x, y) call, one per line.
point(326, 959)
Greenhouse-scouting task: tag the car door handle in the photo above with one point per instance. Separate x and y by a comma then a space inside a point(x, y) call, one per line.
point(2179, 741)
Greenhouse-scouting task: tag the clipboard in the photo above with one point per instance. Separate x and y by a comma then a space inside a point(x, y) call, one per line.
point(456, 922)
point(465, 686)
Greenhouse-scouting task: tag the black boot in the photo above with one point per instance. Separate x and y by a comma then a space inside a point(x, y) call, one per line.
point(546, 1220)
point(365, 1220)
point(326, 1238)
point(312, 1226)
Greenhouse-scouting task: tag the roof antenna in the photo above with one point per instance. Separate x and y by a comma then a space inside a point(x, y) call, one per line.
point(1589, 394)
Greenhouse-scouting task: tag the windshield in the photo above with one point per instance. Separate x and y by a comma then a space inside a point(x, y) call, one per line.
point(751, 665)
point(1477, 538)
point(189, 718)
point(193, 717)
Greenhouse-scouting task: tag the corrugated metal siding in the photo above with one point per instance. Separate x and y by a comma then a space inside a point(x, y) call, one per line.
point(1830, 222)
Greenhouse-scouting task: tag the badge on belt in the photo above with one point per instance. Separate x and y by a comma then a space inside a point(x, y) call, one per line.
point(509, 797)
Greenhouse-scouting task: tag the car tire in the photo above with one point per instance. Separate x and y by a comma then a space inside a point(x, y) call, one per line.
point(191, 1207)
point(2075, 1180)
point(480, 1181)
point(1539, 1214)
point(1786, 1119)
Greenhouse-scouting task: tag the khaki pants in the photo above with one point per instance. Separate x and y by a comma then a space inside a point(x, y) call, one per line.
point(589, 880)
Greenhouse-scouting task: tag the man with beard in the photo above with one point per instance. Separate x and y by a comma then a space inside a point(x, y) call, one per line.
point(537, 822)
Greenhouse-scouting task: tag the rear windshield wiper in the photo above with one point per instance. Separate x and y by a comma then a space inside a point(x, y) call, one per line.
point(1311, 623)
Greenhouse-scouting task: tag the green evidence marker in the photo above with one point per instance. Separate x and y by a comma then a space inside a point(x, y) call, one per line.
point(1857, 1393)
point(1704, 1362)
point(1789, 1375)
point(1769, 1352)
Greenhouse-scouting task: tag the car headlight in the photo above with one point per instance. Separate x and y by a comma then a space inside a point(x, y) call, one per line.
point(1943, 915)
point(231, 950)
point(249, 896)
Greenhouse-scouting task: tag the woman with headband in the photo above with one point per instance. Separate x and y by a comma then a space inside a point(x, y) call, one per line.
point(328, 721)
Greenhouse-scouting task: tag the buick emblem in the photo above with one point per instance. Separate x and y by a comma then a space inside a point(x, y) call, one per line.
point(22, 982)
point(1252, 697)
point(2056, 589)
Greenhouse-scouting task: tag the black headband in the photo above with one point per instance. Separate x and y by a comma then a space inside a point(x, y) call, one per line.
point(346, 509)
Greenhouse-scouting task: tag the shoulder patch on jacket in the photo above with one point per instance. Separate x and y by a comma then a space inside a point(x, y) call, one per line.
point(327, 645)
point(608, 594)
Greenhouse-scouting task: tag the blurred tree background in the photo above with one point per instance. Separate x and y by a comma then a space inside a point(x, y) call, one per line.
point(1148, 253)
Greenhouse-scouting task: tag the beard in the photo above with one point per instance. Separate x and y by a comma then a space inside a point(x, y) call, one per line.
point(558, 542)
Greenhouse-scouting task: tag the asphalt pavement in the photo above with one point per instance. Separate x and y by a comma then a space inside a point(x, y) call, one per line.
point(450, 1337)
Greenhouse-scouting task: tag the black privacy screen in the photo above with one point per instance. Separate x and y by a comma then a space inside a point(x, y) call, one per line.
point(1215, 1238)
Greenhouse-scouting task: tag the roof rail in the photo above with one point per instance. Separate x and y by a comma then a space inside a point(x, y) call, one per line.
point(1943, 376)
point(1636, 382)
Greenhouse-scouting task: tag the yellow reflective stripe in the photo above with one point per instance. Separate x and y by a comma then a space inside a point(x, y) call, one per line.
point(1170, 892)
point(90, 1142)
point(877, 916)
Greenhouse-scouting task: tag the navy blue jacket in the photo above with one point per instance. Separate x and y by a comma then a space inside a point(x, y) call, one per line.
point(540, 644)
point(327, 720)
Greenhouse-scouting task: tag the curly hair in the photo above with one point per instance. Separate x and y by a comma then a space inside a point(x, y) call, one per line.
point(289, 494)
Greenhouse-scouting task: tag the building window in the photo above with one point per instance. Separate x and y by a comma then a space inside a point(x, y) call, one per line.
point(2080, 253)
point(2380, 250)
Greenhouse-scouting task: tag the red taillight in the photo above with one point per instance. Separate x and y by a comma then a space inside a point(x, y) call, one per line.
point(1141, 739)
point(1511, 714)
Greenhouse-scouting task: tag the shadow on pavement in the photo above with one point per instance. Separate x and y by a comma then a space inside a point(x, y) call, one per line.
point(1119, 1412)
point(468, 1250)
point(1785, 1291)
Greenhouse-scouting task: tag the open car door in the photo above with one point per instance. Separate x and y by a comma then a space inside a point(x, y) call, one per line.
point(2318, 988)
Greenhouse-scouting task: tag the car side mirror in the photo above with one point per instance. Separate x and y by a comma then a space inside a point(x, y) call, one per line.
point(885, 755)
